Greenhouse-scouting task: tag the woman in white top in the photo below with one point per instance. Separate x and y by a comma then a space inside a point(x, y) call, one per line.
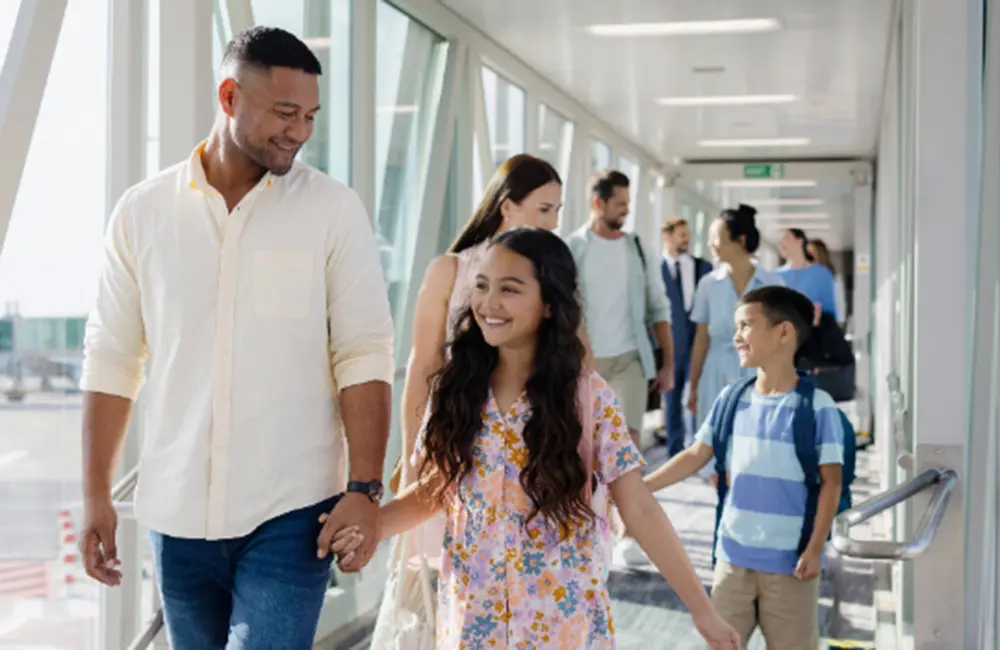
point(524, 191)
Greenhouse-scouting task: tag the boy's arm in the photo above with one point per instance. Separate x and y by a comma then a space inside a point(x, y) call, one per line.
point(826, 506)
point(679, 467)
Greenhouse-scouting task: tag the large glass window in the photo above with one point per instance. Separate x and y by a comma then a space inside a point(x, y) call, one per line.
point(600, 156)
point(555, 139)
point(49, 265)
point(409, 58)
point(504, 115)
point(325, 25)
point(631, 169)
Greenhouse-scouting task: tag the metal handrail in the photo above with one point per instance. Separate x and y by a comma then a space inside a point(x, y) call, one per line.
point(942, 479)
point(121, 493)
point(121, 496)
point(145, 639)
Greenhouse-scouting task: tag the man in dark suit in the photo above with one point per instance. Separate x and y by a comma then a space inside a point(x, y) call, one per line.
point(681, 273)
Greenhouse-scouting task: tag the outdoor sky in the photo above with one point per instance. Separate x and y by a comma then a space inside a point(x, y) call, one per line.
point(49, 261)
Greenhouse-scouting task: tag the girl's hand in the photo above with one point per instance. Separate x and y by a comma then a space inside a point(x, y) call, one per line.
point(345, 542)
point(719, 634)
point(693, 401)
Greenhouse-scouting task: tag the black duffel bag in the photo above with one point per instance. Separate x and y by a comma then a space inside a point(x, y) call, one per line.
point(828, 355)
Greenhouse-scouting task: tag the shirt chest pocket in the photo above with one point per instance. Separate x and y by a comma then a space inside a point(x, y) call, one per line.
point(283, 283)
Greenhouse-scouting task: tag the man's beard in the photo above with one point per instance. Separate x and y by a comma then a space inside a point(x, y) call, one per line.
point(261, 156)
point(615, 225)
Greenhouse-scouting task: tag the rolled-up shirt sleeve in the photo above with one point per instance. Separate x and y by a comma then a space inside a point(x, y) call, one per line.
point(361, 332)
point(115, 340)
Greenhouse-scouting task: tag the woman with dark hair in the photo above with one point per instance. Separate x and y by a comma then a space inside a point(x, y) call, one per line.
point(521, 445)
point(733, 239)
point(821, 254)
point(524, 191)
point(801, 273)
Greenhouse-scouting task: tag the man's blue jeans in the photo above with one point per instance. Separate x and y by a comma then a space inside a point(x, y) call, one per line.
point(264, 590)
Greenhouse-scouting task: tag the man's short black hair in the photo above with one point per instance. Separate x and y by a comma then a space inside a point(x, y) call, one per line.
point(269, 47)
point(780, 305)
point(604, 184)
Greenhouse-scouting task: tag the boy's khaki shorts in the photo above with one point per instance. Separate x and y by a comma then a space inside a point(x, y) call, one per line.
point(787, 609)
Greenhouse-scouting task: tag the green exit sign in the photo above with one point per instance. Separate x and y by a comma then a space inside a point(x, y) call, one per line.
point(764, 170)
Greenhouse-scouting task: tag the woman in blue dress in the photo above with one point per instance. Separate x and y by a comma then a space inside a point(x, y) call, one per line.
point(805, 276)
point(733, 239)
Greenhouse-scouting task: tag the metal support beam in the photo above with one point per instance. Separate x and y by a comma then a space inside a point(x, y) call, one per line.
point(186, 77)
point(863, 299)
point(120, 614)
point(364, 14)
point(240, 13)
point(948, 71)
point(22, 85)
point(434, 171)
point(982, 576)
point(474, 76)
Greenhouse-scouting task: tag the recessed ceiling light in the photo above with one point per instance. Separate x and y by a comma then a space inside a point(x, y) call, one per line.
point(690, 28)
point(787, 202)
point(768, 183)
point(727, 100)
point(755, 142)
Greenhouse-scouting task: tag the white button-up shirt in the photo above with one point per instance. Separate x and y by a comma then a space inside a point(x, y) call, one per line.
point(250, 322)
point(686, 268)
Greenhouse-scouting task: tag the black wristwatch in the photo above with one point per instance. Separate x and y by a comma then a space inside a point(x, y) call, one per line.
point(371, 489)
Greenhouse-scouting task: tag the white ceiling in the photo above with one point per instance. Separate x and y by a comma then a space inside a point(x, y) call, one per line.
point(829, 54)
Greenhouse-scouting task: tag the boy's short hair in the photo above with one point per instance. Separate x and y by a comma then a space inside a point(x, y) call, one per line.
point(781, 304)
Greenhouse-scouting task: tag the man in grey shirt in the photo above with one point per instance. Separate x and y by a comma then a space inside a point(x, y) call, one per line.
point(623, 298)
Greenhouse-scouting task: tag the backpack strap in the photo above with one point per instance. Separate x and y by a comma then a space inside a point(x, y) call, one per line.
point(638, 247)
point(722, 431)
point(804, 432)
point(585, 411)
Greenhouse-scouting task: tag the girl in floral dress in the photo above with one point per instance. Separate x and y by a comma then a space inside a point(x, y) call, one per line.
point(524, 558)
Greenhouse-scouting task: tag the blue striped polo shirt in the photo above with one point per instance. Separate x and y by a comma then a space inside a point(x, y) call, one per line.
point(762, 520)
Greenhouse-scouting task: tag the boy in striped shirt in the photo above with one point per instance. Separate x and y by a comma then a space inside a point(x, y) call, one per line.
point(767, 569)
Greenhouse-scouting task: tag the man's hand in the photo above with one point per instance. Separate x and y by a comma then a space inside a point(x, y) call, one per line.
point(664, 379)
point(97, 541)
point(359, 512)
point(809, 565)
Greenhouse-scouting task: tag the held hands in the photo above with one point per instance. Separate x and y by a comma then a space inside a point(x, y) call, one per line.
point(356, 519)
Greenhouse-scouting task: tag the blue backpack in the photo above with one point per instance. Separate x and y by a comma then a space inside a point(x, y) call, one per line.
point(804, 425)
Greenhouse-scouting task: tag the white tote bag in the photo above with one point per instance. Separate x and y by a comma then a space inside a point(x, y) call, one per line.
point(406, 618)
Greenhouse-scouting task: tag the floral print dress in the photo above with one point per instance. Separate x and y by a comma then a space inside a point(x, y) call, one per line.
point(507, 585)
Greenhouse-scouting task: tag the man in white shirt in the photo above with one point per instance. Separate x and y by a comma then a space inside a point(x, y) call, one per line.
point(249, 286)
point(681, 272)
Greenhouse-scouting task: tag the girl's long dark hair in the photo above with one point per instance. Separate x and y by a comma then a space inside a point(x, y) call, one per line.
point(555, 475)
point(515, 179)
